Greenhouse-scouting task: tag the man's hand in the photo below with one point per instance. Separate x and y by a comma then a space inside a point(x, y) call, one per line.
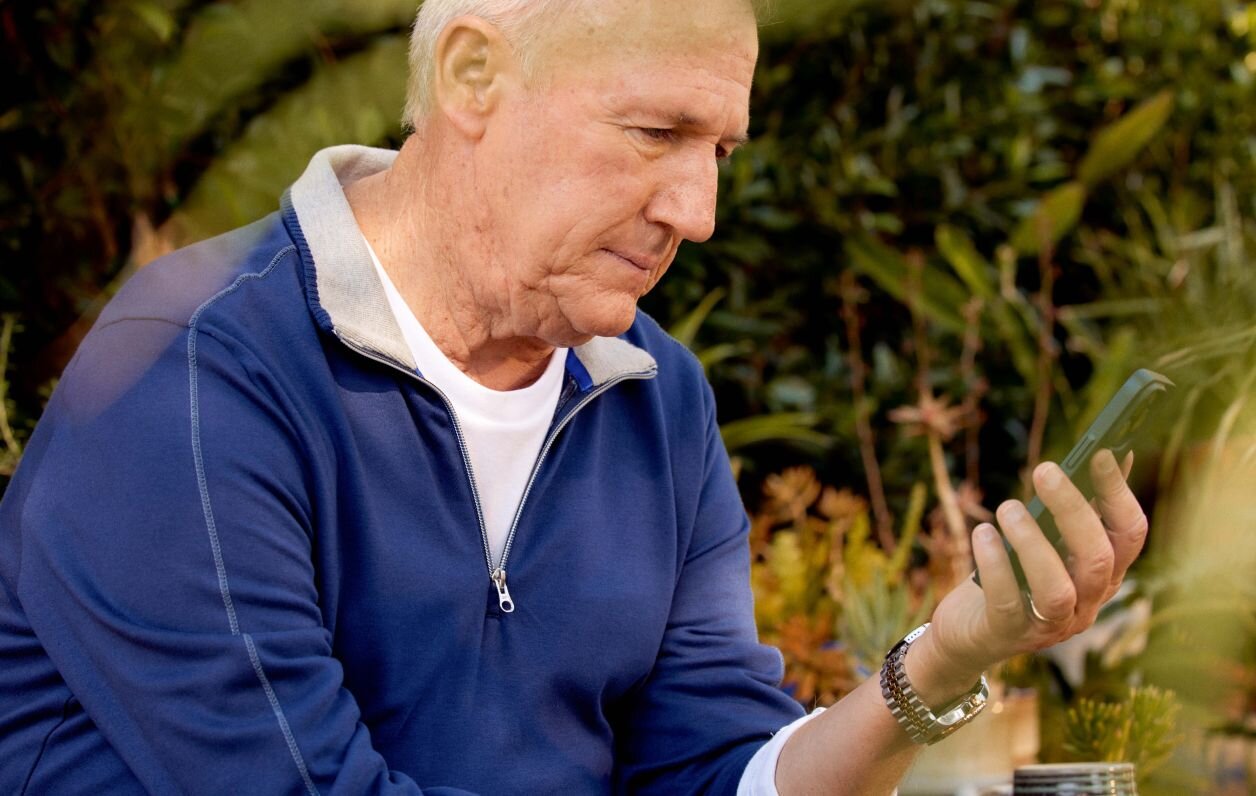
point(858, 747)
point(977, 626)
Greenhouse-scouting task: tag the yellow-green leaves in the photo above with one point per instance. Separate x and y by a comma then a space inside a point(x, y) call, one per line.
point(980, 277)
point(1057, 214)
point(354, 99)
point(1140, 729)
point(1116, 146)
point(685, 330)
point(158, 19)
point(938, 295)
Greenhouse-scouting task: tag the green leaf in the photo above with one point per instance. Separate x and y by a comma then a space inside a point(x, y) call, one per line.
point(1116, 146)
point(1113, 308)
point(723, 351)
point(1057, 214)
point(940, 297)
point(229, 50)
point(789, 565)
point(979, 276)
point(351, 101)
point(910, 527)
point(779, 427)
point(686, 329)
point(1111, 371)
point(158, 19)
point(959, 251)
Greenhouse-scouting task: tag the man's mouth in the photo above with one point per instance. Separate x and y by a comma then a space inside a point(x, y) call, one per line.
point(640, 262)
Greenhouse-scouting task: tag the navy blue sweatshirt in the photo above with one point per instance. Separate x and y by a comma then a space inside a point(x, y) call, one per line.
point(243, 553)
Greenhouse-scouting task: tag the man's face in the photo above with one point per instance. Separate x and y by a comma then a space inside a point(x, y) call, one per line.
point(593, 176)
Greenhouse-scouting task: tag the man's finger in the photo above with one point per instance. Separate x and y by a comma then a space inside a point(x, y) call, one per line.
point(1055, 596)
point(1125, 520)
point(1090, 549)
point(1003, 600)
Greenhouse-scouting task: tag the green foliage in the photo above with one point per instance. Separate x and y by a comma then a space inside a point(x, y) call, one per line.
point(1056, 215)
point(795, 427)
point(876, 615)
point(11, 451)
point(939, 297)
point(131, 112)
point(1141, 729)
point(1035, 198)
point(981, 279)
point(888, 138)
point(685, 329)
point(241, 184)
point(946, 139)
point(229, 50)
point(879, 604)
point(1116, 146)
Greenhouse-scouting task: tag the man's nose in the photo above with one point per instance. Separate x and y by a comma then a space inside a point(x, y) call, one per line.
point(686, 199)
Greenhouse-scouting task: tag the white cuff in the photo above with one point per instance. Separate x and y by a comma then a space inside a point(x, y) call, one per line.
point(759, 778)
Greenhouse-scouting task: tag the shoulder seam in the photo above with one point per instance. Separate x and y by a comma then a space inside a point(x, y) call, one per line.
point(198, 459)
point(151, 318)
point(212, 528)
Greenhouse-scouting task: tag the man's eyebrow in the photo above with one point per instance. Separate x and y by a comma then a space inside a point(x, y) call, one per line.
point(691, 122)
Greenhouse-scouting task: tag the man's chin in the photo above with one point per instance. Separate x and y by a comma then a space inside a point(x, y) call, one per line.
point(609, 324)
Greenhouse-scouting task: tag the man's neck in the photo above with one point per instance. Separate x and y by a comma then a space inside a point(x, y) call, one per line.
point(424, 260)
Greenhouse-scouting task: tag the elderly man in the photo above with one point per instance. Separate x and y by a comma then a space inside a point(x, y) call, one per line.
point(396, 490)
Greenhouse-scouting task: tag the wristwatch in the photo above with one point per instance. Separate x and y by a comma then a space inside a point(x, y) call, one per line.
point(922, 724)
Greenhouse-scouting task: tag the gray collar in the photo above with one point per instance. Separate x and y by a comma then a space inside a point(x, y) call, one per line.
point(349, 290)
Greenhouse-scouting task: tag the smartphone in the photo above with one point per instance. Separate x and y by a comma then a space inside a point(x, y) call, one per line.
point(1116, 428)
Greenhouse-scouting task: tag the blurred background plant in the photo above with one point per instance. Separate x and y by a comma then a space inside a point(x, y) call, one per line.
point(958, 227)
point(1139, 729)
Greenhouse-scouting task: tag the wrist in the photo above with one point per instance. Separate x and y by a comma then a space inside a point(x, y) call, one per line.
point(927, 723)
point(938, 679)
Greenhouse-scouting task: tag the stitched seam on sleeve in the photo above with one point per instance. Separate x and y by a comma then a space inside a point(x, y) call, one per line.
point(283, 720)
point(207, 508)
point(199, 462)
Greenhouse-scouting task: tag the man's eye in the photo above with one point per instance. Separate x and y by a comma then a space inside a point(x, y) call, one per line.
point(662, 135)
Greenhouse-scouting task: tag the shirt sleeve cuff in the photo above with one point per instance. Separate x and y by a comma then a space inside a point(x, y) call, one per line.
point(759, 778)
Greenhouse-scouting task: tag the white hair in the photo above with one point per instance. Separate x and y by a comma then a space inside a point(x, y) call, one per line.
point(520, 21)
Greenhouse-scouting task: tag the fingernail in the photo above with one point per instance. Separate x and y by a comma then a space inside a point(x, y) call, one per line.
point(1014, 510)
point(1049, 473)
point(1107, 462)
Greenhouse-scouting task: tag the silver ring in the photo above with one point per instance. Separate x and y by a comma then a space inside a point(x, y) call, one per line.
point(1033, 609)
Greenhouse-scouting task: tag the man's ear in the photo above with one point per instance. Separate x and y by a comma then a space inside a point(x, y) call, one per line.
point(474, 65)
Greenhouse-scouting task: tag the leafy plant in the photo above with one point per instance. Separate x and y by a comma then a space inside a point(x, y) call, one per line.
point(1141, 729)
point(825, 593)
point(139, 125)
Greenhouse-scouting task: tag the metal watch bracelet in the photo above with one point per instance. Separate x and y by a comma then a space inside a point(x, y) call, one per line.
point(922, 724)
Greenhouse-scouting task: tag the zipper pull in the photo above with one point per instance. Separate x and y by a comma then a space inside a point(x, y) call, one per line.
point(503, 594)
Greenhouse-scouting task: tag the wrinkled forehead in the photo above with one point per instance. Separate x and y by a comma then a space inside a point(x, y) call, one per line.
point(636, 29)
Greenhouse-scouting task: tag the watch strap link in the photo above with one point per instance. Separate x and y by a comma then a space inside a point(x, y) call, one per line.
point(923, 726)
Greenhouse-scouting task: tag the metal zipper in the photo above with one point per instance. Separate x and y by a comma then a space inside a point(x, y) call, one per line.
point(540, 459)
point(496, 574)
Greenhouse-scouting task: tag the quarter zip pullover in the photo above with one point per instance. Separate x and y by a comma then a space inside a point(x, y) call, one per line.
point(236, 558)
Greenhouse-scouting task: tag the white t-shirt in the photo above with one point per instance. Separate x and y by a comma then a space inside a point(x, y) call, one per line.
point(503, 429)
